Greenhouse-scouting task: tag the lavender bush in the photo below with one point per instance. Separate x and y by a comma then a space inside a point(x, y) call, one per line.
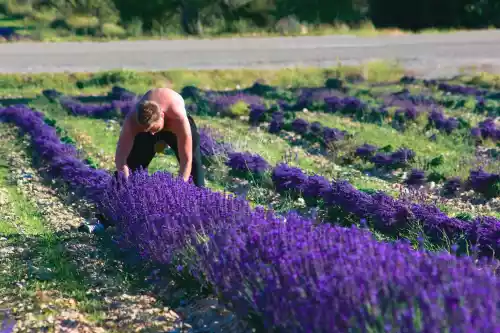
point(486, 129)
point(388, 215)
point(485, 183)
point(223, 102)
point(245, 164)
point(210, 146)
point(438, 120)
point(461, 90)
point(114, 109)
point(416, 177)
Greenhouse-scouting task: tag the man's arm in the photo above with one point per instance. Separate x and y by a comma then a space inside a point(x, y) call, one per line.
point(184, 139)
point(124, 147)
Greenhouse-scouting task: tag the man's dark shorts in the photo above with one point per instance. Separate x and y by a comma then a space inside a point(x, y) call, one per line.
point(143, 151)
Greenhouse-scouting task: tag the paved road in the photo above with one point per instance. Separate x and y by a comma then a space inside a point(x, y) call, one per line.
point(429, 55)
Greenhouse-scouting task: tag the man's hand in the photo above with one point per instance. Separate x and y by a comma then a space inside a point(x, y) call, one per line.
point(123, 148)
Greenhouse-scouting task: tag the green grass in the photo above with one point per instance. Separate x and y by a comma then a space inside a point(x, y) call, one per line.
point(26, 218)
point(458, 154)
point(31, 85)
point(273, 149)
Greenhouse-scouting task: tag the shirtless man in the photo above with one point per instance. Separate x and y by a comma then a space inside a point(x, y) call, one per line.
point(160, 119)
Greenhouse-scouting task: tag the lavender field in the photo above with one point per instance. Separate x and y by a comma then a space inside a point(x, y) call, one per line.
point(348, 206)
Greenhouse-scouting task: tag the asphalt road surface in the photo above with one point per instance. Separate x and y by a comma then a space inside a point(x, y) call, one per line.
point(429, 55)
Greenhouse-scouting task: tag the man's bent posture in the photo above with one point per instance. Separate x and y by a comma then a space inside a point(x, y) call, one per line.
point(160, 119)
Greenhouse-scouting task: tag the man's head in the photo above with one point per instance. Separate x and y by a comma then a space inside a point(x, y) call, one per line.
point(149, 116)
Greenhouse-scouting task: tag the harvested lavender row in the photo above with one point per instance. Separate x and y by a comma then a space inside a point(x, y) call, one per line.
point(458, 89)
point(123, 104)
point(293, 275)
point(315, 131)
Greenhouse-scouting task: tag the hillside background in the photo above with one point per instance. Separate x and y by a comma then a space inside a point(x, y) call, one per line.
point(45, 19)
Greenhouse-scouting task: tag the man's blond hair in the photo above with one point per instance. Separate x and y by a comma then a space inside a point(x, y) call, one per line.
point(147, 112)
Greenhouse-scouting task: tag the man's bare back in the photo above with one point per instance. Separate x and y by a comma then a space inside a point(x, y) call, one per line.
point(160, 110)
point(170, 102)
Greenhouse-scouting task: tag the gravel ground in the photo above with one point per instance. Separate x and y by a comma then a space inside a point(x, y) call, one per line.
point(112, 304)
point(428, 55)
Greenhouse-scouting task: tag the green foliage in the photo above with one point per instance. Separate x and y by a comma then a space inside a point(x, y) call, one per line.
point(417, 15)
point(240, 109)
point(122, 18)
point(436, 161)
point(108, 78)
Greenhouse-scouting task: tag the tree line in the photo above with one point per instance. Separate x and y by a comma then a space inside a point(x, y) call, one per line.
point(194, 16)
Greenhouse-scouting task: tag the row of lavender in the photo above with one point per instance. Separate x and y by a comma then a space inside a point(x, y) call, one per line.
point(385, 214)
point(293, 275)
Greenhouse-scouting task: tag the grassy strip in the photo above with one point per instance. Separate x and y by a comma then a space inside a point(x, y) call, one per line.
point(30, 85)
point(274, 149)
point(17, 215)
point(457, 153)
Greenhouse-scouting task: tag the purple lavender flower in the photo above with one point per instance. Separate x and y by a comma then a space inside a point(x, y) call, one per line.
point(485, 183)
point(316, 127)
point(209, 146)
point(247, 162)
point(366, 151)
point(256, 114)
point(489, 129)
point(314, 187)
point(416, 177)
point(403, 156)
point(332, 135)
point(287, 178)
point(461, 90)
point(452, 186)
point(223, 102)
point(475, 132)
point(409, 113)
point(382, 160)
point(436, 118)
point(352, 105)
point(333, 104)
point(485, 230)
point(451, 124)
point(300, 126)
point(106, 110)
point(310, 97)
point(277, 122)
